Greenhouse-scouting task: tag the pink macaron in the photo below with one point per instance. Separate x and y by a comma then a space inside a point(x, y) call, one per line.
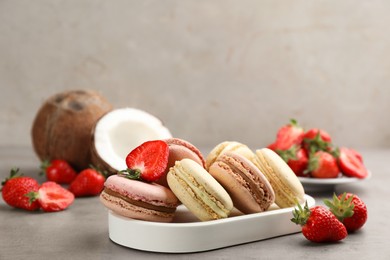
point(139, 200)
point(180, 149)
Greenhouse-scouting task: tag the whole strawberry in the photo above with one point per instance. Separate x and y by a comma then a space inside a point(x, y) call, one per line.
point(147, 162)
point(316, 139)
point(58, 171)
point(287, 136)
point(296, 158)
point(323, 165)
point(319, 224)
point(18, 191)
point(349, 209)
point(88, 182)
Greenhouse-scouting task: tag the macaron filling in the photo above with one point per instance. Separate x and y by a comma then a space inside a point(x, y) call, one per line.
point(143, 204)
point(199, 191)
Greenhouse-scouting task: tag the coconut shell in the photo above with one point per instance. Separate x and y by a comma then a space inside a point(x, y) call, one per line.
point(63, 125)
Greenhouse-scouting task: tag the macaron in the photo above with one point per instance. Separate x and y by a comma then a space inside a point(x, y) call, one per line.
point(287, 187)
point(199, 191)
point(228, 146)
point(139, 200)
point(249, 189)
point(180, 149)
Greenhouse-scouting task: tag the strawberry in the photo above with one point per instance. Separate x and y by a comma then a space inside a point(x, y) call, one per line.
point(58, 171)
point(53, 197)
point(316, 139)
point(287, 136)
point(88, 182)
point(147, 162)
point(319, 224)
point(351, 163)
point(322, 165)
point(349, 209)
point(296, 158)
point(18, 191)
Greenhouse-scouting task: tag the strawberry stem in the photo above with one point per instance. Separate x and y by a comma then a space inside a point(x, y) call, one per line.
point(43, 167)
point(290, 154)
point(301, 215)
point(14, 172)
point(132, 174)
point(342, 208)
point(317, 144)
point(32, 196)
point(294, 122)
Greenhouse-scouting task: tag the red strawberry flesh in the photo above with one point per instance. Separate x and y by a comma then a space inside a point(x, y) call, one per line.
point(150, 159)
point(351, 165)
point(53, 197)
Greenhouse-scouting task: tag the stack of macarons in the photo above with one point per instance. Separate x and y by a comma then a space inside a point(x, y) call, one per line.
point(232, 176)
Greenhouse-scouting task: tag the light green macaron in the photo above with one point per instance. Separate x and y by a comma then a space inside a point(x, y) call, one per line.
point(199, 191)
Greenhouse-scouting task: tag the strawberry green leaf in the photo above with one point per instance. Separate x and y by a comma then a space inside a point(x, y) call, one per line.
point(342, 208)
point(301, 215)
point(132, 174)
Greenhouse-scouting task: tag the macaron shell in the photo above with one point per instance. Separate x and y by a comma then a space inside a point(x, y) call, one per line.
point(185, 148)
point(141, 191)
point(228, 146)
point(288, 189)
point(199, 191)
point(139, 200)
point(180, 149)
point(129, 210)
point(248, 187)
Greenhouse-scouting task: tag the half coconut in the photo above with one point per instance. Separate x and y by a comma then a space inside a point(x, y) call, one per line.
point(118, 132)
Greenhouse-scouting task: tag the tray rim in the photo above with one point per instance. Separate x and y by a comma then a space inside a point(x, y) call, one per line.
point(162, 236)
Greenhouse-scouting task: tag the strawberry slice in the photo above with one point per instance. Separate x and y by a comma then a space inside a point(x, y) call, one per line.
point(53, 197)
point(147, 162)
point(351, 165)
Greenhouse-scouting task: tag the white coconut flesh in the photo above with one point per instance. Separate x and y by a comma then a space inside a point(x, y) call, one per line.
point(120, 131)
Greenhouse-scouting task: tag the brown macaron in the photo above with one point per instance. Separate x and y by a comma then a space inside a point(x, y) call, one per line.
point(247, 186)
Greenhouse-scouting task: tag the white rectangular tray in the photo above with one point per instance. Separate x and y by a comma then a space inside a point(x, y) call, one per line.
point(186, 234)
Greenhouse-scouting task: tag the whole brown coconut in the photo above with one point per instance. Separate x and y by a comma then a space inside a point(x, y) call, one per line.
point(63, 125)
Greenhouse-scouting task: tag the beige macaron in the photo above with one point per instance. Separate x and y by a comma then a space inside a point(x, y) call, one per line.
point(228, 146)
point(287, 187)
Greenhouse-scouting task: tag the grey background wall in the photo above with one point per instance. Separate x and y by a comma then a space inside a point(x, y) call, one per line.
point(211, 70)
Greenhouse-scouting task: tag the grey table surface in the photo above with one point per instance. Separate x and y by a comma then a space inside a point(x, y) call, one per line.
point(81, 231)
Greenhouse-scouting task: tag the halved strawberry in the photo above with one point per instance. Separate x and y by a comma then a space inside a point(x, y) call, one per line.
point(350, 164)
point(148, 161)
point(53, 197)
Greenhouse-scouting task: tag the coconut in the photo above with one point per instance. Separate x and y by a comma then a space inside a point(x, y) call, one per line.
point(118, 132)
point(63, 125)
